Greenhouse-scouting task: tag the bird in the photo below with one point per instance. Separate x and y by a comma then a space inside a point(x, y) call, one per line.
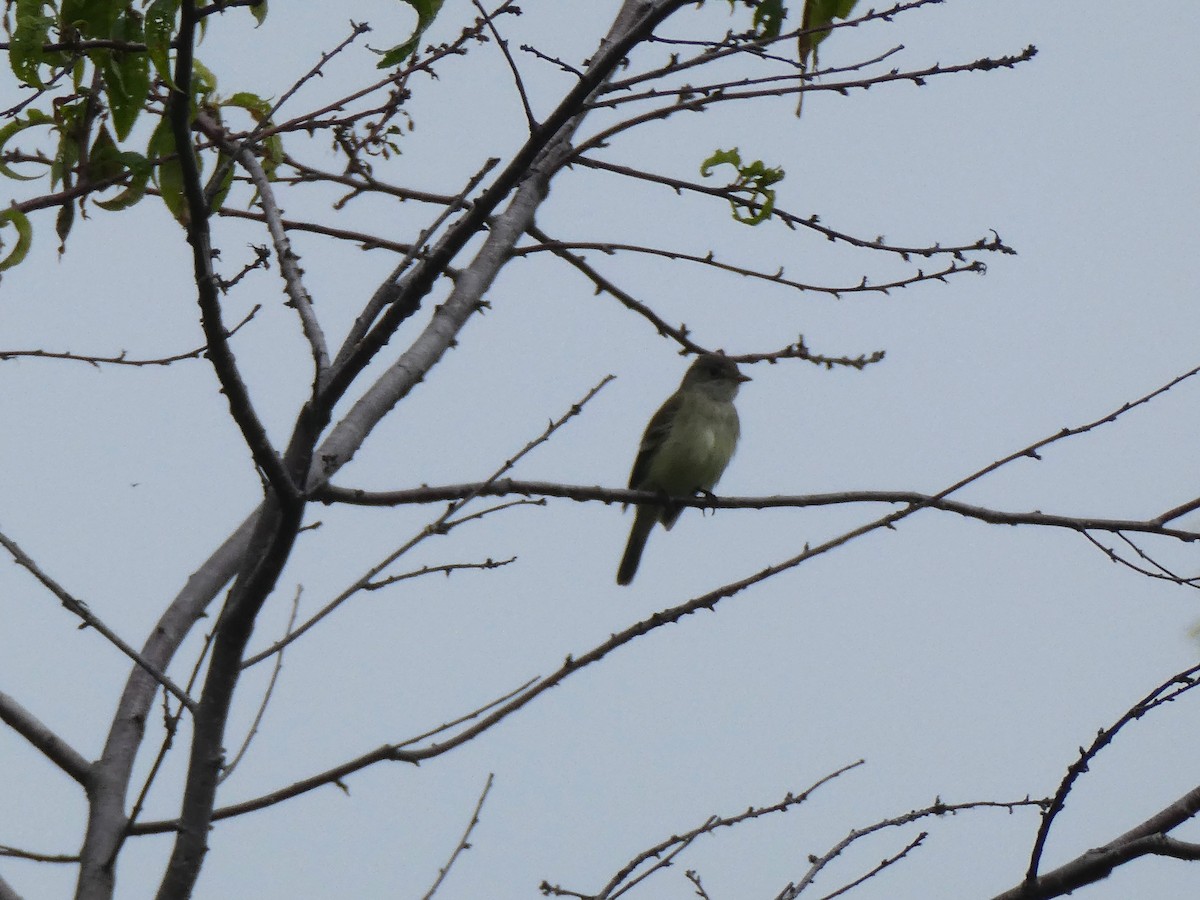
point(685, 448)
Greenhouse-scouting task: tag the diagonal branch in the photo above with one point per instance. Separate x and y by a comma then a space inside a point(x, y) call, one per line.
point(512, 65)
point(795, 84)
point(293, 282)
point(1172, 688)
point(1147, 839)
point(463, 842)
point(791, 220)
point(438, 526)
point(207, 290)
point(54, 748)
point(611, 248)
point(90, 619)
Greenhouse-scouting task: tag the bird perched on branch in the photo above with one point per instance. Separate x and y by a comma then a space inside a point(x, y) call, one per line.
point(685, 449)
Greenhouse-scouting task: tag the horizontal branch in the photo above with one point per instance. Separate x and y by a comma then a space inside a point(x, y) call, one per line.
point(122, 358)
point(504, 487)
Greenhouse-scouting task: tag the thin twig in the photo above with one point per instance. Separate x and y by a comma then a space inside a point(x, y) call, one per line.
point(267, 694)
point(438, 526)
point(463, 842)
point(1173, 687)
point(793, 890)
point(121, 359)
point(33, 856)
point(335, 775)
point(293, 282)
point(90, 619)
point(991, 245)
point(445, 569)
point(512, 65)
point(777, 277)
point(386, 292)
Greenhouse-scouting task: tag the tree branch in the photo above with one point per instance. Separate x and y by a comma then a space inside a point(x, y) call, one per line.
point(582, 493)
point(54, 748)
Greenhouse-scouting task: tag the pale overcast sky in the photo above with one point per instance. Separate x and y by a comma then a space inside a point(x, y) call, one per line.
point(960, 660)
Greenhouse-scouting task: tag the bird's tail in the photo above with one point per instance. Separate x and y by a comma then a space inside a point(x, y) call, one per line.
point(643, 522)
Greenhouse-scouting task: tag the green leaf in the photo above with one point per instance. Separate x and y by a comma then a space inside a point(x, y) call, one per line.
point(68, 118)
point(720, 158)
point(252, 103)
point(768, 18)
point(92, 18)
point(35, 117)
point(752, 187)
point(127, 75)
point(160, 28)
point(204, 82)
point(259, 11)
point(272, 155)
point(226, 184)
point(139, 168)
point(104, 159)
point(818, 16)
point(20, 222)
point(427, 11)
point(62, 224)
point(260, 111)
point(31, 31)
point(167, 174)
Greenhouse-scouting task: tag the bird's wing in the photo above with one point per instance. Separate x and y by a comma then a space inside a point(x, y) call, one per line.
point(656, 433)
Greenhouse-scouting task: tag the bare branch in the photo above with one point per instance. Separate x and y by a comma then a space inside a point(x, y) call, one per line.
point(368, 241)
point(335, 775)
point(298, 296)
point(32, 856)
point(751, 44)
point(795, 84)
point(445, 569)
point(463, 842)
point(439, 526)
point(1156, 569)
point(1148, 839)
point(992, 245)
point(879, 867)
point(53, 747)
point(199, 236)
point(624, 879)
point(385, 293)
point(938, 809)
point(1173, 687)
point(363, 183)
point(582, 493)
point(680, 334)
point(267, 694)
point(777, 277)
point(516, 73)
point(90, 619)
point(122, 359)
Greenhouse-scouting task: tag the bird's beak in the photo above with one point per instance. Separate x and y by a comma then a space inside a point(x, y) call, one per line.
point(743, 378)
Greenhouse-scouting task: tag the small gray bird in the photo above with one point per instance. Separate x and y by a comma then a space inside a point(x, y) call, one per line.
point(686, 447)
